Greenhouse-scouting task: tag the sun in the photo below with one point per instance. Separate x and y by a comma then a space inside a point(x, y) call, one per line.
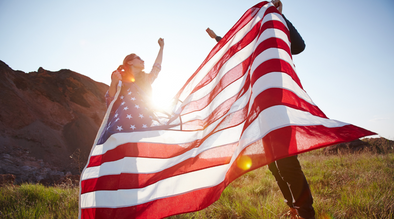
point(162, 95)
point(166, 86)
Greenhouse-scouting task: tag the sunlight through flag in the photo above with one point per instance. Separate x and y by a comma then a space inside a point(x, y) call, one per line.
point(243, 108)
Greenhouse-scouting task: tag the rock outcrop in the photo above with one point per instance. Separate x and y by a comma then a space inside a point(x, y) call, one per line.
point(377, 145)
point(48, 122)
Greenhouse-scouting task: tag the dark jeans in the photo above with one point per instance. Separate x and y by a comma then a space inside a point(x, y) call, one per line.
point(292, 182)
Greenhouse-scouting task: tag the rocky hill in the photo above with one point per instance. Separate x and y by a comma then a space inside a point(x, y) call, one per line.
point(48, 122)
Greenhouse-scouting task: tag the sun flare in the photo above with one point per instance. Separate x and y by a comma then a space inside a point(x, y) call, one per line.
point(162, 95)
point(244, 162)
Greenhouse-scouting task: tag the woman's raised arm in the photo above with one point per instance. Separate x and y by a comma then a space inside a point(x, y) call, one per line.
point(159, 58)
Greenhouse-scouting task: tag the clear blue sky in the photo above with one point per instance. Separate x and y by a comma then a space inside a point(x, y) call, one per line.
point(346, 67)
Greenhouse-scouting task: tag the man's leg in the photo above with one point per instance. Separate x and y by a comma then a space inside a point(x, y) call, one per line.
point(284, 188)
point(290, 171)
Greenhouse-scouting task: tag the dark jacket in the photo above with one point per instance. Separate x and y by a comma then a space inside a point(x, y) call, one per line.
point(297, 43)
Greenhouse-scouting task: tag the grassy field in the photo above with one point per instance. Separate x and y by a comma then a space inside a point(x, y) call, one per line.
point(343, 186)
point(38, 201)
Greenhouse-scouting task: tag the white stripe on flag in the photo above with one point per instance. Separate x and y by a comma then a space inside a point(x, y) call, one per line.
point(278, 80)
point(165, 188)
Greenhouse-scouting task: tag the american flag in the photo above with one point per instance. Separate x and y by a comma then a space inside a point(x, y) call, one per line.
point(243, 108)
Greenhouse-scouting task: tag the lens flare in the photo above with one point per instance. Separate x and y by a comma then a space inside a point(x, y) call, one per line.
point(244, 162)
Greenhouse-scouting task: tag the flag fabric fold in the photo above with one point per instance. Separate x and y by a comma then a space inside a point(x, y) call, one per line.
point(243, 108)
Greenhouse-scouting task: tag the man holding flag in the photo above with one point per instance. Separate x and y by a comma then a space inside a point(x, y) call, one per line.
point(287, 171)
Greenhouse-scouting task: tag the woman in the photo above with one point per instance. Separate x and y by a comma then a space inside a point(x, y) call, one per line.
point(133, 104)
point(131, 71)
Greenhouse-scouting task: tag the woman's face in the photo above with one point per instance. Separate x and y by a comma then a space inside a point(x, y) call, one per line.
point(137, 63)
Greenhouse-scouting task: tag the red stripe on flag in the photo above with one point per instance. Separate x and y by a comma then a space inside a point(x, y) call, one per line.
point(274, 24)
point(275, 65)
point(278, 96)
point(293, 140)
point(141, 149)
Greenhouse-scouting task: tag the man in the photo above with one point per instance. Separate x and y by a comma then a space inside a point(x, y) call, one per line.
point(287, 171)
